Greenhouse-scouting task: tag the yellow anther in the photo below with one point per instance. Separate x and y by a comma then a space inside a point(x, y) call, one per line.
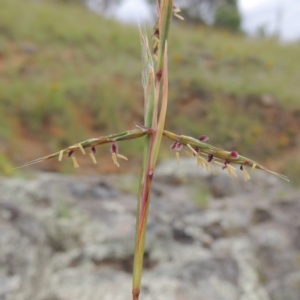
point(121, 156)
point(75, 163)
point(61, 153)
point(179, 17)
point(231, 167)
point(192, 149)
point(200, 162)
point(203, 163)
point(81, 149)
point(218, 163)
point(253, 167)
point(246, 175)
point(231, 171)
point(93, 157)
point(213, 169)
point(114, 158)
point(177, 157)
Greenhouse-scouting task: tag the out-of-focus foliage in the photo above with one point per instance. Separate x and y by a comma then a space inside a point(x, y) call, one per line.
point(69, 1)
point(63, 80)
point(101, 5)
point(206, 11)
point(227, 16)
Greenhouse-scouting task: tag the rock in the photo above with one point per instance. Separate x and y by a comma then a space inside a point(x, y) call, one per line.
point(170, 171)
point(64, 237)
point(260, 215)
point(287, 288)
point(219, 186)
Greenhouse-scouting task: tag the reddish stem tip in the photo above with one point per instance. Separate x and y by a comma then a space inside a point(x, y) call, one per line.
point(135, 294)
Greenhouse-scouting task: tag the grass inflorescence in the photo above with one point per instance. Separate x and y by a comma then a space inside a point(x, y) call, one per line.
point(155, 83)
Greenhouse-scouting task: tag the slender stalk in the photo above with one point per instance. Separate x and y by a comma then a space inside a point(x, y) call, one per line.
point(152, 142)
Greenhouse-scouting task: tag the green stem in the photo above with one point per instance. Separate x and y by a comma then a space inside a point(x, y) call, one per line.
point(152, 144)
point(141, 221)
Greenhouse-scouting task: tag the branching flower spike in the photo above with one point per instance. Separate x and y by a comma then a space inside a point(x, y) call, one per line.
point(155, 85)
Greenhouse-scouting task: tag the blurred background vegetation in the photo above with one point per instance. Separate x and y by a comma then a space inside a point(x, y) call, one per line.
point(68, 74)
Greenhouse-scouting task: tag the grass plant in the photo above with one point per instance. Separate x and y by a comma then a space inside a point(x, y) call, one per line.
point(155, 82)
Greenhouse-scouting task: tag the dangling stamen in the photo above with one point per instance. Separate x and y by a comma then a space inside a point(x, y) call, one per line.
point(192, 149)
point(81, 148)
point(203, 163)
point(93, 151)
point(245, 173)
point(177, 146)
point(75, 163)
point(196, 149)
point(213, 170)
point(177, 10)
point(114, 158)
point(115, 154)
point(231, 170)
point(93, 158)
point(177, 157)
point(121, 156)
point(253, 167)
point(200, 162)
point(61, 153)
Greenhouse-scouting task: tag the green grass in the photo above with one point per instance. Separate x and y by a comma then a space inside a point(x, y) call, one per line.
point(67, 74)
point(229, 63)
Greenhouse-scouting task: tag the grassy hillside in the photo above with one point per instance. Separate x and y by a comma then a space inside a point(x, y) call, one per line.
point(66, 74)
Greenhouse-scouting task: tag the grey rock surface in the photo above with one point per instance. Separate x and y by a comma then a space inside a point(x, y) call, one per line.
point(64, 237)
